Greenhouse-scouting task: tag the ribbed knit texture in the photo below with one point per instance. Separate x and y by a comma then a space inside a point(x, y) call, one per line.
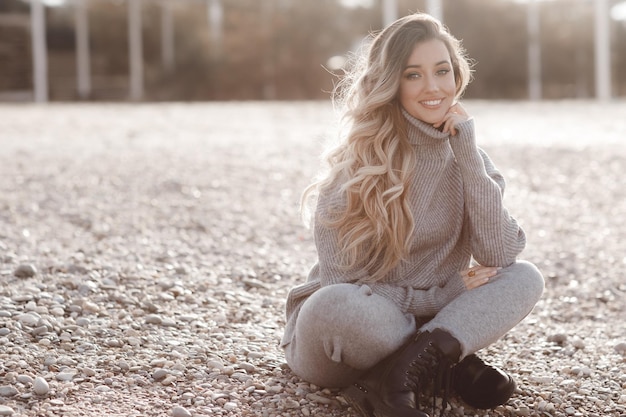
point(456, 200)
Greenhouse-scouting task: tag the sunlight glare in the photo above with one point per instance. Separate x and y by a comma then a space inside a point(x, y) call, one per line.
point(54, 3)
point(353, 4)
point(618, 12)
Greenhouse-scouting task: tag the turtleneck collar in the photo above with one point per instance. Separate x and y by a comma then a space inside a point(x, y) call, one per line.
point(422, 133)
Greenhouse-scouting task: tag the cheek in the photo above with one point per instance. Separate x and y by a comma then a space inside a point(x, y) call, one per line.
point(452, 85)
point(406, 93)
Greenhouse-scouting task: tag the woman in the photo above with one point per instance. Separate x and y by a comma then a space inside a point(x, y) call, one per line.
point(393, 306)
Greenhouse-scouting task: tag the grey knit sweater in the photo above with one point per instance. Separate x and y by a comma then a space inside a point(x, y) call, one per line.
point(456, 199)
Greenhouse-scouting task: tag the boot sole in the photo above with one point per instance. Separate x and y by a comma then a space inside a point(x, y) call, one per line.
point(369, 404)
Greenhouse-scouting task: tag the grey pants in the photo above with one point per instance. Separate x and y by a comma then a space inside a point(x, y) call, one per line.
point(344, 329)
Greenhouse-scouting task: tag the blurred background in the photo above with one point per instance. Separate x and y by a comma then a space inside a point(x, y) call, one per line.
point(199, 50)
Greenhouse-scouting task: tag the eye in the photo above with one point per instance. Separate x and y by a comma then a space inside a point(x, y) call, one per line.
point(443, 71)
point(412, 75)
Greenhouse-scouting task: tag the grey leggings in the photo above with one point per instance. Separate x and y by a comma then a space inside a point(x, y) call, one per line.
point(344, 329)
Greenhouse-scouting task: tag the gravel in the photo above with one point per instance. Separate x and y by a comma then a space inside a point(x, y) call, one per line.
point(146, 252)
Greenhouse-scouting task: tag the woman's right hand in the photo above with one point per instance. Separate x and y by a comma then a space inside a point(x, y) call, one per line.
point(478, 275)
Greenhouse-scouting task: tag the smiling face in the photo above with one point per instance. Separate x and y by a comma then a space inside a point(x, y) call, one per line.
point(427, 86)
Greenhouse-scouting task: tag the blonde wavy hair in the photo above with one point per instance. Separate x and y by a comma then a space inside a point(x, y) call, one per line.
point(374, 161)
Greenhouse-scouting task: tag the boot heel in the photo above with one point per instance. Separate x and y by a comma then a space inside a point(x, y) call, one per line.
point(356, 396)
point(369, 404)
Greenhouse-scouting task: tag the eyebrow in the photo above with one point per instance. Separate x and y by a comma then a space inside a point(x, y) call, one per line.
point(437, 64)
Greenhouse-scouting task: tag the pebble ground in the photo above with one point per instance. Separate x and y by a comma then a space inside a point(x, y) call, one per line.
point(146, 252)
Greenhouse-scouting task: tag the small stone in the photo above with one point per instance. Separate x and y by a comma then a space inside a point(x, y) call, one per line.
point(40, 386)
point(113, 343)
point(180, 412)
point(318, 398)
point(123, 365)
point(83, 322)
point(28, 319)
point(133, 341)
point(230, 406)
point(168, 322)
point(158, 362)
point(153, 319)
point(291, 404)
point(8, 391)
point(90, 307)
point(4, 331)
point(578, 343)
point(621, 348)
point(38, 331)
point(24, 379)
point(255, 283)
point(160, 374)
point(25, 271)
point(65, 376)
point(215, 364)
point(168, 380)
point(57, 311)
point(541, 379)
point(558, 338)
point(248, 367)
point(6, 411)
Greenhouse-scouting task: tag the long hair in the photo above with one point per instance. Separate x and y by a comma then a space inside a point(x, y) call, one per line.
point(374, 162)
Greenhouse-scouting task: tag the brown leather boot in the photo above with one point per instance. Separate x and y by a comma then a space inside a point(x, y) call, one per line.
point(389, 389)
point(481, 385)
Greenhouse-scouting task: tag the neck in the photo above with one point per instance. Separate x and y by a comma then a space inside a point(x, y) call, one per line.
point(422, 133)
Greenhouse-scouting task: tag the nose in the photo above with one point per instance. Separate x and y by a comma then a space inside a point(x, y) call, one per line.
point(431, 83)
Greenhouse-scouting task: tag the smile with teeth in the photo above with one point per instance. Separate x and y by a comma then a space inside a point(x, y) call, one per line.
point(432, 102)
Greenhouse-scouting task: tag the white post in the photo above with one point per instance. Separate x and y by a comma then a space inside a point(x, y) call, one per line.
point(40, 59)
point(602, 50)
point(390, 12)
point(167, 35)
point(216, 17)
point(435, 9)
point(83, 67)
point(534, 51)
point(269, 66)
point(135, 49)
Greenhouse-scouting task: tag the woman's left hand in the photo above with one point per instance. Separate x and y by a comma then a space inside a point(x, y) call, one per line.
point(455, 115)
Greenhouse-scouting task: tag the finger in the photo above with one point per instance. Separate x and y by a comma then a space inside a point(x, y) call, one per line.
point(450, 126)
point(482, 270)
point(459, 109)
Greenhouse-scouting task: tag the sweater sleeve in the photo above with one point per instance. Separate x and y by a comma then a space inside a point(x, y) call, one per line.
point(420, 302)
point(496, 239)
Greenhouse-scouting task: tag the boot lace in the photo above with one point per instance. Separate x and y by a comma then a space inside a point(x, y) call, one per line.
point(431, 370)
